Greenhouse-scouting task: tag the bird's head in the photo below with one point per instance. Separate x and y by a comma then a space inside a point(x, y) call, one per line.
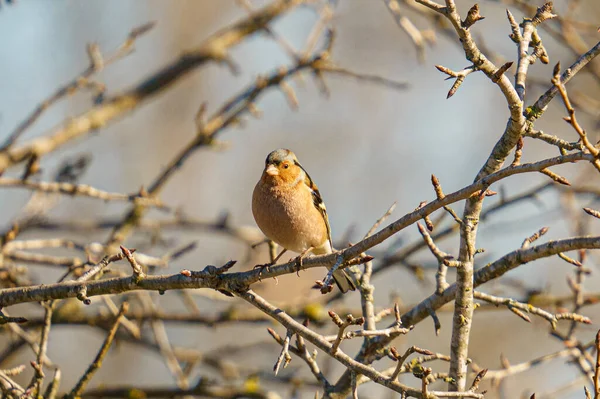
point(282, 167)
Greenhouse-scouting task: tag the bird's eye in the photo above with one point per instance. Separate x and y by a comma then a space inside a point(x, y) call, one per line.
point(286, 165)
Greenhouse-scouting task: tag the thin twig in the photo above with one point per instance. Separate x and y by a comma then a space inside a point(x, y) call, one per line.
point(284, 356)
point(597, 368)
point(95, 365)
point(81, 81)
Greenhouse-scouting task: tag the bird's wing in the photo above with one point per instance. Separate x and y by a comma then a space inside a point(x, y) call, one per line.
point(318, 202)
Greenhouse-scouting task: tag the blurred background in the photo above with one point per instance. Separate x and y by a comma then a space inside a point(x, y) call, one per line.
point(367, 146)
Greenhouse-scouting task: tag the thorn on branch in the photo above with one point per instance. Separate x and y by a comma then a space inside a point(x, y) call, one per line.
point(459, 80)
point(570, 260)
point(487, 193)
point(518, 152)
point(141, 30)
point(539, 49)
point(452, 213)
point(8, 319)
point(582, 255)
point(32, 167)
point(519, 313)
point(437, 187)
point(498, 74)
point(556, 70)
point(428, 223)
point(557, 178)
point(460, 77)
point(472, 17)
point(481, 194)
point(99, 267)
point(515, 36)
point(477, 380)
point(138, 273)
point(534, 237)
point(436, 321)
point(592, 212)
point(284, 356)
point(426, 218)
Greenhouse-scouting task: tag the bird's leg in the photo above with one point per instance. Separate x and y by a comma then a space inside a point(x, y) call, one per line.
point(299, 259)
point(268, 265)
point(278, 256)
point(258, 244)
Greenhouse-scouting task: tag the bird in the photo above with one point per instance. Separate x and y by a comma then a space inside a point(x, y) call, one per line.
point(288, 208)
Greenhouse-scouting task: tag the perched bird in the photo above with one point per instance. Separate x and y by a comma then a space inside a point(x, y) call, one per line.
point(288, 208)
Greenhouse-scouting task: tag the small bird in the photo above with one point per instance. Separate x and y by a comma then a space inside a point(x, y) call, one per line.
point(288, 208)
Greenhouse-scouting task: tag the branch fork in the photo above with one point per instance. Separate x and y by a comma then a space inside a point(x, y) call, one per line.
point(460, 76)
point(342, 325)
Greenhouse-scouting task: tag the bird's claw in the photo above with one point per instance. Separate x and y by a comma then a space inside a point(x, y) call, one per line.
point(298, 265)
point(263, 267)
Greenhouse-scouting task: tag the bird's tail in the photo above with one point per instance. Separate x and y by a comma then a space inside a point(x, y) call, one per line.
point(343, 281)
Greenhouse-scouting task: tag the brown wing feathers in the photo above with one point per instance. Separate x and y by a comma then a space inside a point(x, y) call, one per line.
point(317, 201)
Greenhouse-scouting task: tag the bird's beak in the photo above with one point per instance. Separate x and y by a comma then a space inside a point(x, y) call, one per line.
point(272, 170)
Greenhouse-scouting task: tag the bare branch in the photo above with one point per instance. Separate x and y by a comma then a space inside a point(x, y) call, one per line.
point(80, 190)
point(95, 365)
point(213, 49)
point(284, 356)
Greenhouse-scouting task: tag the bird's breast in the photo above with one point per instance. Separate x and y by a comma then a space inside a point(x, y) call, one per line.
point(288, 217)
